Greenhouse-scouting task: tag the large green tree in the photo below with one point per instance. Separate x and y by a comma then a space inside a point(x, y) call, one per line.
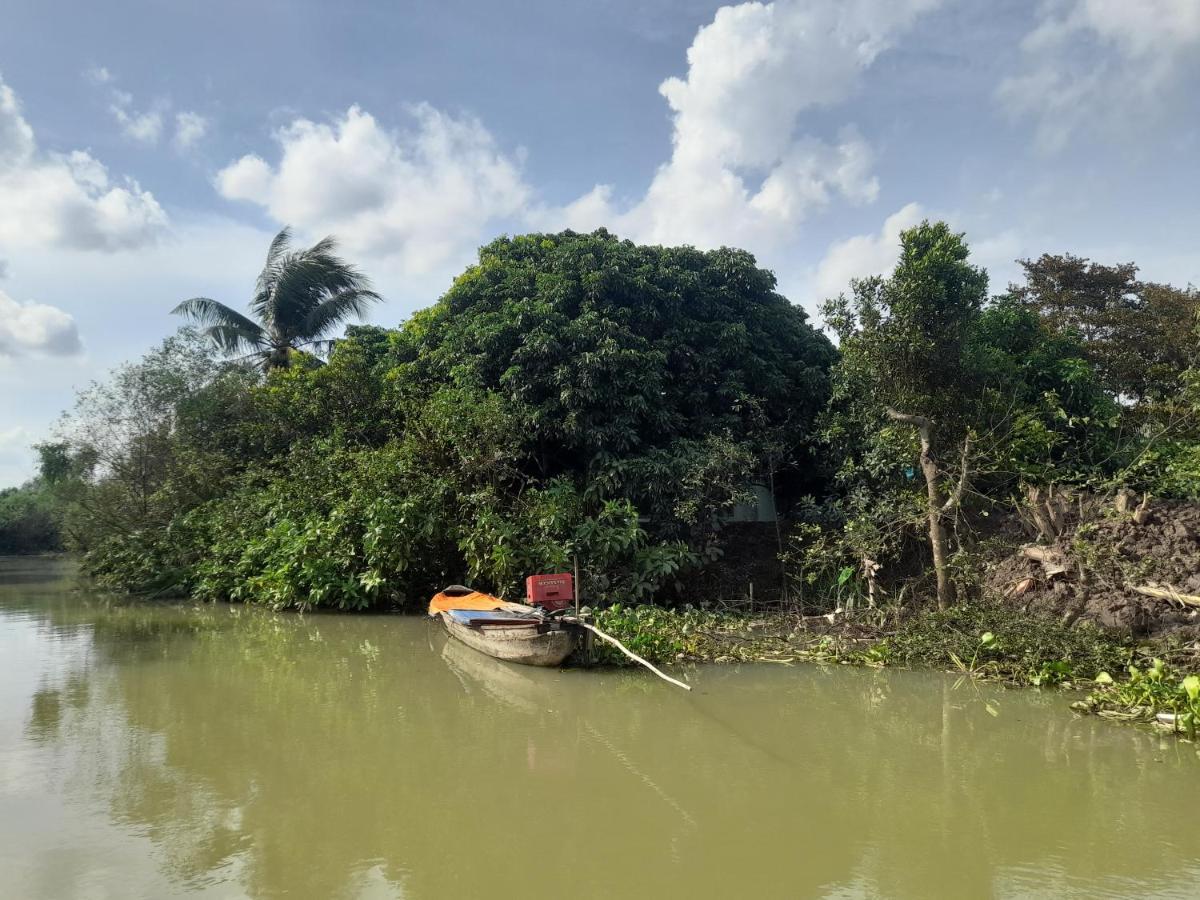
point(301, 295)
point(614, 353)
point(904, 360)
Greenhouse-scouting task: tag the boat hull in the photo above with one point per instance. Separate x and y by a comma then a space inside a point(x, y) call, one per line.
point(528, 645)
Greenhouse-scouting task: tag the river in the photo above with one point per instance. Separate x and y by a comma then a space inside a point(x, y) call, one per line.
point(151, 751)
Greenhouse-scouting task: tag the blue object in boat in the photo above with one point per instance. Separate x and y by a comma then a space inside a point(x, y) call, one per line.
point(466, 616)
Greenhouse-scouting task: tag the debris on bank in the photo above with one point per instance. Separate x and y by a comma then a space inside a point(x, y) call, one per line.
point(1135, 568)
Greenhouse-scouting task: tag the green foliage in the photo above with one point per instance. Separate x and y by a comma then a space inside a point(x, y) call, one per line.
point(575, 396)
point(667, 635)
point(1139, 335)
point(28, 519)
point(907, 345)
point(654, 634)
point(613, 352)
point(140, 444)
point(1146, 693)
point(1162, 456)
point(1042, 402)
point(1000, 641)
point(571, 397)
point(904, 339)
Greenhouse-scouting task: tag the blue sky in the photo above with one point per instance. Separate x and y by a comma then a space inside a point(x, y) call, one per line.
point(149, 150)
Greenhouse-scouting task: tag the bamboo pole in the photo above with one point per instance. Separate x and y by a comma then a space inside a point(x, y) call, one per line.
point(612, 640)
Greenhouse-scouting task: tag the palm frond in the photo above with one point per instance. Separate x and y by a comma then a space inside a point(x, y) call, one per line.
point(331, 311)
point(225, 327)
point(308, 279)
point(299, 296)
point(206, 312)
point(280, 245)
point(233, 339)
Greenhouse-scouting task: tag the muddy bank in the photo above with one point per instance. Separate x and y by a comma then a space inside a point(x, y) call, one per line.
point(1091, 571)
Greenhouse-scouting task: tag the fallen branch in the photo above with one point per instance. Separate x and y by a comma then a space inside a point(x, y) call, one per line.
point(612, 640)
point(1167, 593)
point(1051, 560)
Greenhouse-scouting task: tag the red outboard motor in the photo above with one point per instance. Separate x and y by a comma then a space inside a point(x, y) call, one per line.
point(550, 592)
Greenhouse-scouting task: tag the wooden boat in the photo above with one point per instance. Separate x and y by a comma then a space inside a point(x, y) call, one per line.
point(509, 631)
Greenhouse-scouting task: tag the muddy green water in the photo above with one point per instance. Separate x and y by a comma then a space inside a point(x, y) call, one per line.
point(155, 751)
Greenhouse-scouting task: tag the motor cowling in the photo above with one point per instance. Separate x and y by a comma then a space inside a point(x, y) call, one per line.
point(550, 592)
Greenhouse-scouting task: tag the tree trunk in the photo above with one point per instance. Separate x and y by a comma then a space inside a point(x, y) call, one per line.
point(937, 509)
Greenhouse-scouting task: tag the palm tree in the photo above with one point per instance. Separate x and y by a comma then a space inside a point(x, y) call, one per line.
point(300, 296)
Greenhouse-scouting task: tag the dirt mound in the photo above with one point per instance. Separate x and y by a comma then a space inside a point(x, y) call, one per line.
point(1090, 572)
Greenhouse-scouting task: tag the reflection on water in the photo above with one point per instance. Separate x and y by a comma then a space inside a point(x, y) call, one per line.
point(159, 751)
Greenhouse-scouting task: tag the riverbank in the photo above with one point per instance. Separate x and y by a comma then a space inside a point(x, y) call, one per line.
point(1151, 681)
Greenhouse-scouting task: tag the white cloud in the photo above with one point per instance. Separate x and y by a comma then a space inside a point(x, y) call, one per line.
point(1097, 63)
point(36, 328)
point(146, 127)
point(189, 128)
point(66, 199)
point(98, 75)
point(422, 196)
point(865, 254)
point(740, 171)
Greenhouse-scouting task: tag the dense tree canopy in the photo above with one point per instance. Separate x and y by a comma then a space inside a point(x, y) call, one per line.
point(1139, 334)
point(607, 347)
point(570, 395)
point(575, 396)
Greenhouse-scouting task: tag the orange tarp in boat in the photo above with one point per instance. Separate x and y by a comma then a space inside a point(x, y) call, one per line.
point(442, 602)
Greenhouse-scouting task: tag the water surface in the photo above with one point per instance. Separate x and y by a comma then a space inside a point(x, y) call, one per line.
point(152, 751)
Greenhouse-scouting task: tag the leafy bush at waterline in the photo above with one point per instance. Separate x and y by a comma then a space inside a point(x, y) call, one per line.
point(1003, 641)
point(1147, 692)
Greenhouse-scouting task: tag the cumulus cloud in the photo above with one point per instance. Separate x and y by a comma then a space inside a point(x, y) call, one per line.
point(865, 254)
point(189, 128)
point(740, 170)
point(36, 328)
point(66, 200)
point(1099, 62)
point(423, 196)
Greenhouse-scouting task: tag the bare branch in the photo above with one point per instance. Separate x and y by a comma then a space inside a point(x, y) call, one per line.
point(956, 495)
point(909, 419)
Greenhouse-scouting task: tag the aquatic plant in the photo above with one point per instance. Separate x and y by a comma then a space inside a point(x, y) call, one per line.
point(1154, 693)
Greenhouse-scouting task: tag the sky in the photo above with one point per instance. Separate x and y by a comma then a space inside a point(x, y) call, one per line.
point(150, 150)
